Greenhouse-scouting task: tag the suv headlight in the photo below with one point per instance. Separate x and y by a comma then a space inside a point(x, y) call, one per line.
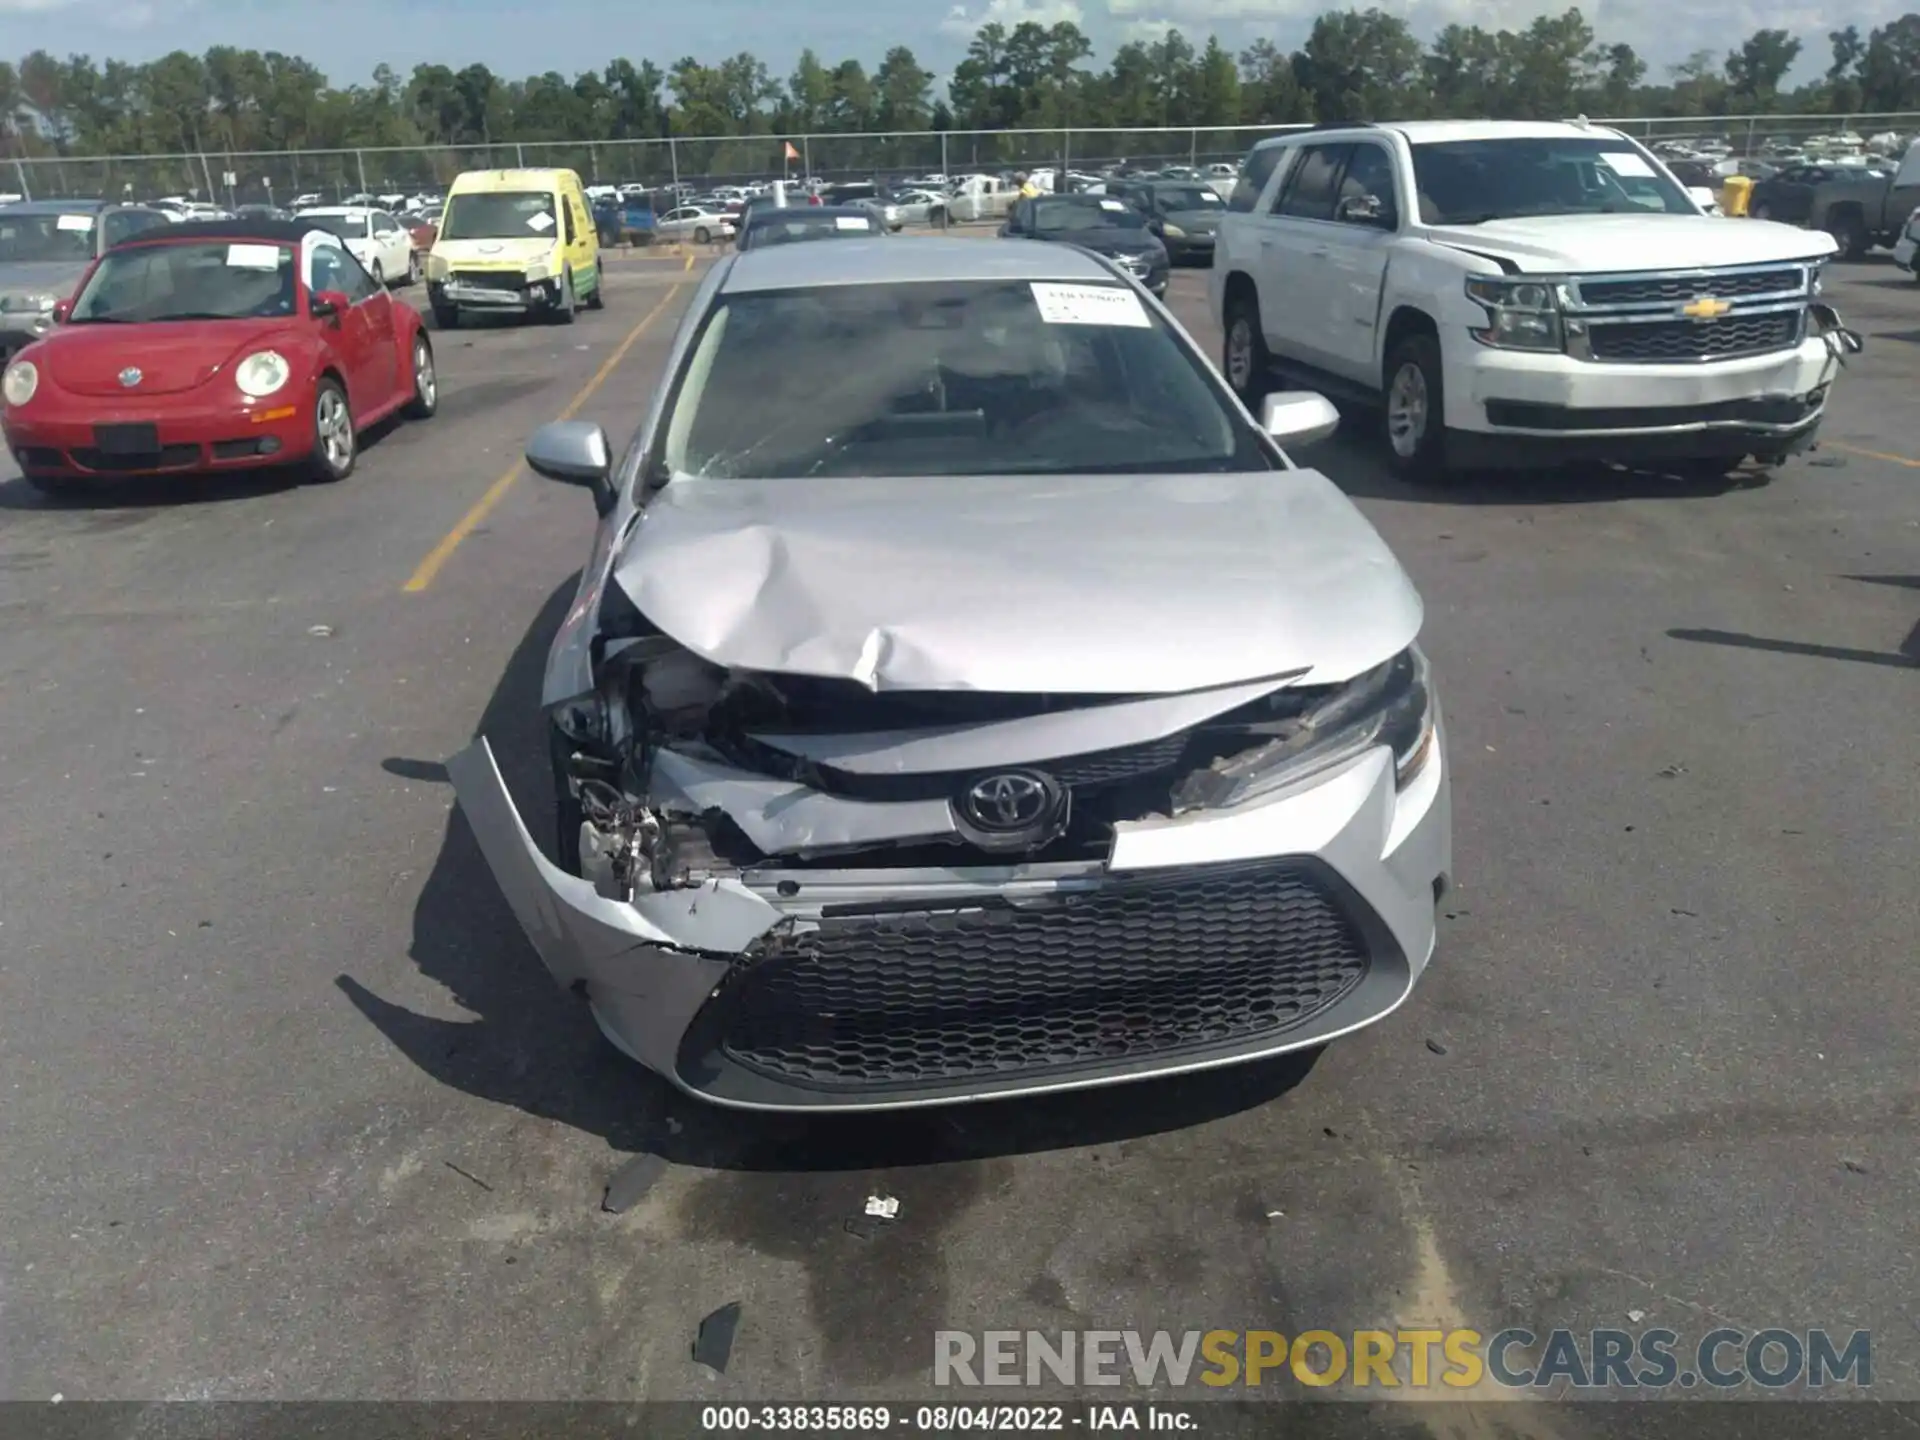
point(262, 373)
point(22, 378)
point(29, 304)
point(1390, 705)
point(1522, 313)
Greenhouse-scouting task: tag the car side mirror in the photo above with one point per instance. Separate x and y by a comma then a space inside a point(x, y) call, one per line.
point(1298, 417)
point(327, 303)
point(62, 311)
point(1362, 209)
point(575, 452)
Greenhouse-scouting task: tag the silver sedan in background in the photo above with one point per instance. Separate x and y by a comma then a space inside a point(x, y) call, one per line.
point(1004, 713)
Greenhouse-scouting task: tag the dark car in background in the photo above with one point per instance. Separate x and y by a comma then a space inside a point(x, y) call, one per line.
point(1183, 214)
point(45, 248)
point(791, 224)
point(1100, 223)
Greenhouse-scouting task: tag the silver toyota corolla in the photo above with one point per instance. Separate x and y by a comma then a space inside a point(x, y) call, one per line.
point(965, 697)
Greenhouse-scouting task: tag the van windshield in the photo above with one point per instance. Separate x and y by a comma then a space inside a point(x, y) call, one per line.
point(499, 215)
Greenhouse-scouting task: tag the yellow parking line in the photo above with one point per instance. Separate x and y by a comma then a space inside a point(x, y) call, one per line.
point(1905, 460)
point(469, 522)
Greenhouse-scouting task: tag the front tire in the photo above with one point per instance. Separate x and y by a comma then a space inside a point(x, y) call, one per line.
point(426, 382)
point(335, 447)
point(1415, 411)
point(598, 299)
point(413, 271)
point(1245, 359)
point(703, 236)
point(379, 275)
point(1849, 232)
point(562, 312)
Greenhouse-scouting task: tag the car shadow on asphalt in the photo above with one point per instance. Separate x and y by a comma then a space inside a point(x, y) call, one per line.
point(1352, 461)
point(533, 1047)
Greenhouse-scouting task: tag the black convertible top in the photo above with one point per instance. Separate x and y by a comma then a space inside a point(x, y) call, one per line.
point(244, 227)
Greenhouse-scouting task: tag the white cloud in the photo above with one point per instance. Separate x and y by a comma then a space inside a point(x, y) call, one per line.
point(961, 22)
point(32, 7)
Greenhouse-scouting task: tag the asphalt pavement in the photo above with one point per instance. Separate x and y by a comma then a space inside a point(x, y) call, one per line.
point(288, 1108)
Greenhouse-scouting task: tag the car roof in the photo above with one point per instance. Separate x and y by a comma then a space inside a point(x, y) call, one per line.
point(1439, 132)
point(53, 207)
point(350, 212)
point(240, 227)
point(891, 261)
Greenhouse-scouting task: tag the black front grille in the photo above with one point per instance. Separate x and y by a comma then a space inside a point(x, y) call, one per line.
point(1114, 767)
point(1723, 339)
point(1137, 968)
point(490, 280)
point(168, 457)
point(1652, 290)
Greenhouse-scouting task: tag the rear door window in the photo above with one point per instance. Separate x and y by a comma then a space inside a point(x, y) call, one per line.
point(1254, 176)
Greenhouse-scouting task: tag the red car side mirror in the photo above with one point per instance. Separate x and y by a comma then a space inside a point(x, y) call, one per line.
point(329, 302)
point(61, 311)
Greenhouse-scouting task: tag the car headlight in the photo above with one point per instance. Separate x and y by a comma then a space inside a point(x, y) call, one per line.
point(1173, 232)
point(22, 378)
point(1522, 314)
point(538, 272)
point(262, 373)
point(439, 268)
point(29, 304)
point(1390, 705)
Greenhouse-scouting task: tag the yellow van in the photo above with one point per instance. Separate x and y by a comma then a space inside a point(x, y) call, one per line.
point(515, 241)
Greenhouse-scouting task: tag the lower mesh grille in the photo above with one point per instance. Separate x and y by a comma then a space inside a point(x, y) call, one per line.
point(1137, 969)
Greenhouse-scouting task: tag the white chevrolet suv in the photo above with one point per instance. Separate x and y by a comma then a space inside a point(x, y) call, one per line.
point(1516, 293)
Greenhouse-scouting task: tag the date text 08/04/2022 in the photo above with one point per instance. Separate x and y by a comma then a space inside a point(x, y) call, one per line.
point(945, 1419)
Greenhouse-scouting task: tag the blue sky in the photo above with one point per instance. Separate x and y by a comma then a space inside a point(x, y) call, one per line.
point(347, 38)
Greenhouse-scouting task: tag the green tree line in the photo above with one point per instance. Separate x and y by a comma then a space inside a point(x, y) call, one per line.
point(1354, 64)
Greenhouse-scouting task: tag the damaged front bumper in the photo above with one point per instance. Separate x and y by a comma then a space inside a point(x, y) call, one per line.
point(1201, 940)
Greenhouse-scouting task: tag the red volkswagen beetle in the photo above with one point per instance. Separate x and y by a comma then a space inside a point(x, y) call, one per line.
point(215, 345)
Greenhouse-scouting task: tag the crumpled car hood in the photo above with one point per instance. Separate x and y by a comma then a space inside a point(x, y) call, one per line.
point(1598, 244)
point(1095, 585)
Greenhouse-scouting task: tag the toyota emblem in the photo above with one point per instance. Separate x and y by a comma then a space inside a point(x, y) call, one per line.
point(1010, 803)
point(132, 376)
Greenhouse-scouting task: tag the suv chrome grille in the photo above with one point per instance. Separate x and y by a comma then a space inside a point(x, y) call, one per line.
point(1687, 316)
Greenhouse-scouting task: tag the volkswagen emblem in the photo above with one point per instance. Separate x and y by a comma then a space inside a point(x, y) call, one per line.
point(132, 376)
point(1010, 803)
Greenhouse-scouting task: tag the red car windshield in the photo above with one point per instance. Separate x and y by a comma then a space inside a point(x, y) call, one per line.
point(198, 280)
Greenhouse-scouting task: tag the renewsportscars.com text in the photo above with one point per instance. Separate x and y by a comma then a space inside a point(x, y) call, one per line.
point(1446, 1361)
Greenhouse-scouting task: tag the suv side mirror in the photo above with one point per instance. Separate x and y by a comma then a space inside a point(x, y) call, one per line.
point(575, 452)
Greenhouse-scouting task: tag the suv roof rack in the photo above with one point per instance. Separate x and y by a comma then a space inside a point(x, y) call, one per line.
point(1315, 129)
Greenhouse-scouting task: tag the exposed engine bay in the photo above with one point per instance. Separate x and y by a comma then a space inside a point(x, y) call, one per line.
point(677, 771)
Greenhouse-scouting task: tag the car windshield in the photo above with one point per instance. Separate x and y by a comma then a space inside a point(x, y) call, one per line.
point(498, 215)
point(1467, 182)
point(46, 237)
point(1062, 213)
point(347, 227)
point(781, 228)
point(947, 379)
point(1188, 197)
point(198, 280)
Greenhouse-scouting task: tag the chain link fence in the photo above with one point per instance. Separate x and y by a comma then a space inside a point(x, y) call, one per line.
point(280, 177)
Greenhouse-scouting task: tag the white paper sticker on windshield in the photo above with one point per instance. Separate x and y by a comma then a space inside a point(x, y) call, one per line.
point(1625, 162)
point(1211, 197)
point(542, 222)
point(1113, 205)
point(1090, 305)
point(850, 222)
point(75, 222)
point(253, 257)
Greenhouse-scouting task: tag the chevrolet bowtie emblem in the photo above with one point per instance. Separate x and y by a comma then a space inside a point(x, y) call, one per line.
point(1705, 308)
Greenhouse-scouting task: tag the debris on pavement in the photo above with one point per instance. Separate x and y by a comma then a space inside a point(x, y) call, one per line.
point(1856, 1167)
point(713, 1346)
point(1672, 772)
point(464, 1175)
point(883, 1207)
point(1436, 1047)
point(1636, 1316)
point(630, 1182)
point(320, 632)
